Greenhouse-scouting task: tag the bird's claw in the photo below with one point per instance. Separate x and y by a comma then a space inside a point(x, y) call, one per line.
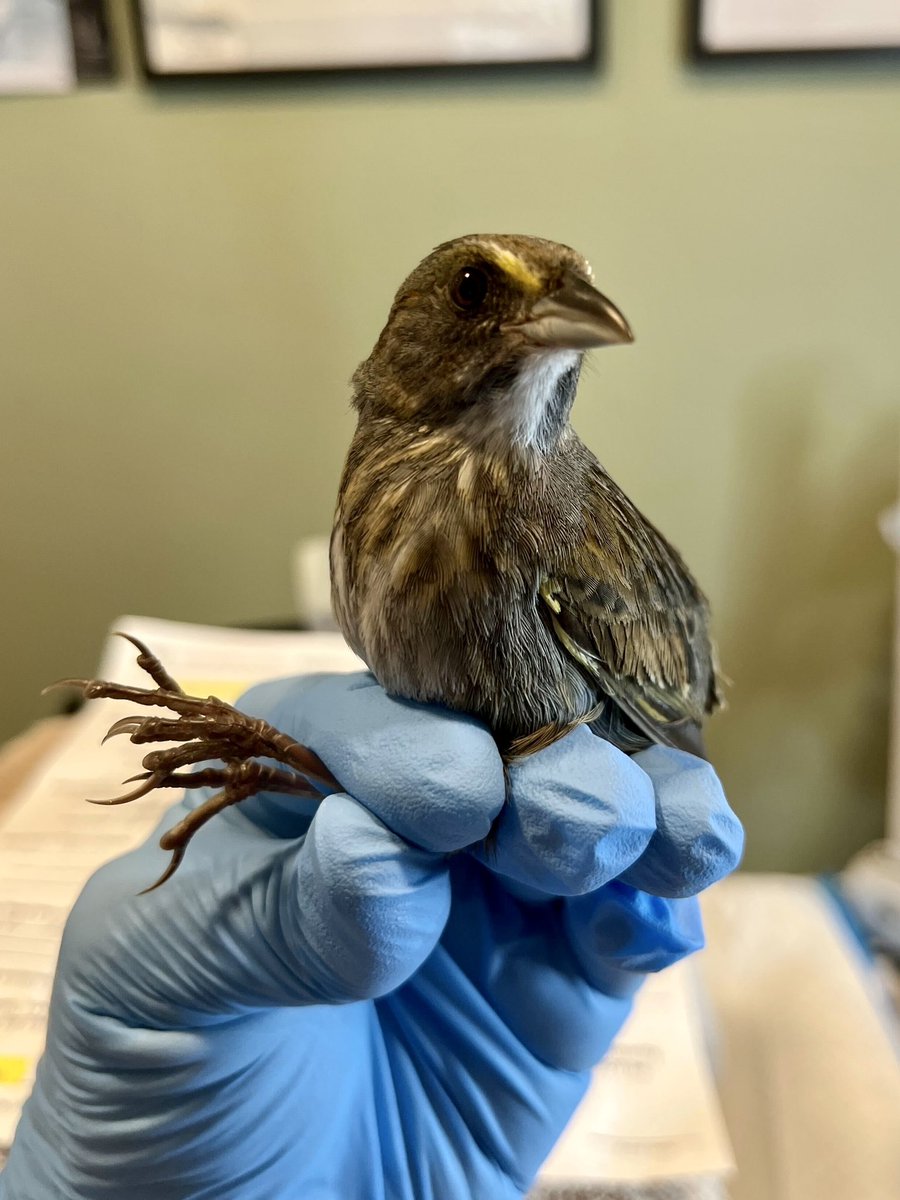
point(203, 729)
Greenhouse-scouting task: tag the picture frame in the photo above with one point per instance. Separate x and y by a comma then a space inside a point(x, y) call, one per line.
point(253, 39)
point(91, 41)
point(50, 47)
point(720, 31)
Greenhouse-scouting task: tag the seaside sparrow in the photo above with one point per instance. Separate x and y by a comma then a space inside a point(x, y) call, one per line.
point(481, 556)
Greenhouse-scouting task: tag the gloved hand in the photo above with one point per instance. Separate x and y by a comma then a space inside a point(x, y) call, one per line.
point(332, 1003)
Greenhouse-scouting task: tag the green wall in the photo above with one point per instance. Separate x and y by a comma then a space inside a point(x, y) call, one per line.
point(190, 275)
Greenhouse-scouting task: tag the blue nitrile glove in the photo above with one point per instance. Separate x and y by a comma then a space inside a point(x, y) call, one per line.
point(337, 1006)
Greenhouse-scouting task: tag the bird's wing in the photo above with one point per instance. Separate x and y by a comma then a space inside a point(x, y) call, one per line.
point(626, 608)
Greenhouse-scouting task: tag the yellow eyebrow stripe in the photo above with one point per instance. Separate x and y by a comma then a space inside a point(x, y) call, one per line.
point(515, 267)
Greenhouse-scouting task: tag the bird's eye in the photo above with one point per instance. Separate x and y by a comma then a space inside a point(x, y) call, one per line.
point(469, 288)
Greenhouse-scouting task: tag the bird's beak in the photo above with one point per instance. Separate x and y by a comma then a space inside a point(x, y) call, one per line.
point(575, 317)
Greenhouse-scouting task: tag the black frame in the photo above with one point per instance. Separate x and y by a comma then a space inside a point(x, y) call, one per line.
point(588, 62)
point(91, 41)
point(87, 34)
point(699, 53)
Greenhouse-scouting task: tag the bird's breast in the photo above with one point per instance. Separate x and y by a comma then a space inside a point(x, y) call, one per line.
point(436, 578)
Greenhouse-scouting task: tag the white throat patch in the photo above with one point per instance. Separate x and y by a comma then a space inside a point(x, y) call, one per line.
point(533, 391)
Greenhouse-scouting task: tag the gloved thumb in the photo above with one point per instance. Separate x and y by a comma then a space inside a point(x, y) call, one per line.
point(347, 912)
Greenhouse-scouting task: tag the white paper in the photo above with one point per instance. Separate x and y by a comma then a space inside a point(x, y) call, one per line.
point(799, 24)
point(51, 841)
point(651, 1113)
point(243, 35)
point(36, 52)
point(807, 1064)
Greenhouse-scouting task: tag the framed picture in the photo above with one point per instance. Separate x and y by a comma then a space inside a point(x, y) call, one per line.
point(51, 46)
point(723, 29)
point(214, 38)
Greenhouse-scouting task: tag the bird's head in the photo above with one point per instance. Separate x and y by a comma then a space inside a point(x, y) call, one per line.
point(488, 333)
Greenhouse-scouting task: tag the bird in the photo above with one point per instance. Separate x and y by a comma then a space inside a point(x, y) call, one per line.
point(481, 556)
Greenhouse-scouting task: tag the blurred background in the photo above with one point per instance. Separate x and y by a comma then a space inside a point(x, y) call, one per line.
point(191, 272)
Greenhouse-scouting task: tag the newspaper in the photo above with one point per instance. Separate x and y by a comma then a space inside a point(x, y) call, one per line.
point(651, 1117)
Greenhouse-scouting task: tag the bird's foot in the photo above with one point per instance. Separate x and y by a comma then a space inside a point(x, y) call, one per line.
point(203, 729)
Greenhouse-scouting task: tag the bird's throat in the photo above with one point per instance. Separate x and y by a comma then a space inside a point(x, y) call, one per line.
point(531, 410)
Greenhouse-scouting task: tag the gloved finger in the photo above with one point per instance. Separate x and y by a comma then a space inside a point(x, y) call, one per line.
point(433, 776)
point(363, 908)
point(619, 934)
point(698, 839)
point(248, 921)
point(588, 978)
point(578, 814)
point(521, 959)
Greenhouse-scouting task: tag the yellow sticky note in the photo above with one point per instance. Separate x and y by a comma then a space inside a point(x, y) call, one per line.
point(13, 1068)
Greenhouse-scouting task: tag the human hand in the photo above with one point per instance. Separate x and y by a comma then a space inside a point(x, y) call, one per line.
point(331, 1002)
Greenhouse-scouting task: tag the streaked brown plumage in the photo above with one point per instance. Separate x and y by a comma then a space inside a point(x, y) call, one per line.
point(481, 556)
